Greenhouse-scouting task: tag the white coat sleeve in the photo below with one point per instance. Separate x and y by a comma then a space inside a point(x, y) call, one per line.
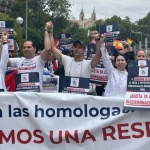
point(106, 60)
point(4, 58)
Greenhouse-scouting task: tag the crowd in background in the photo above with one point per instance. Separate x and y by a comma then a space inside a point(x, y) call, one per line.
point(73, 63)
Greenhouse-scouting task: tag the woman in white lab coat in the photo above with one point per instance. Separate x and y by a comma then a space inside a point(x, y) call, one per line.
point(3, 60)
point(117, 77)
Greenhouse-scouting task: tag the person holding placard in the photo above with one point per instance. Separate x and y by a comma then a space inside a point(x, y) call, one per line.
point(31, 63)
point(141, 55)
point(117, 76)
point(77, 66)
point(4, 55)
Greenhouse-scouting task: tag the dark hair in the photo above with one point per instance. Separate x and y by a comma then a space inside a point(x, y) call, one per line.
point(125, 57)
point(33, 43)
point(66, 51)
point(79, 42)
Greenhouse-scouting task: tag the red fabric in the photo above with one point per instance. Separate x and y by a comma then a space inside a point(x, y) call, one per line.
point(56, 41)
point(10, 81)
point(55, 65)
point(93, 41)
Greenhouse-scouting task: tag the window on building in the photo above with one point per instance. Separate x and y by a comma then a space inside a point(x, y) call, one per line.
point(9, 3)
point(2, 2)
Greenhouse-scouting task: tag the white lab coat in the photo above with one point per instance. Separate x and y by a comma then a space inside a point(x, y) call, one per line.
point(116, 86)
point(3, 66)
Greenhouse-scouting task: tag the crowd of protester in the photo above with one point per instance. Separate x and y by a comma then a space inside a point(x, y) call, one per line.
point(70, 62)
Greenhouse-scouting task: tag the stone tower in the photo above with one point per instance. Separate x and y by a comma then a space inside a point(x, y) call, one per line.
point(81, 16)
point(93, 16)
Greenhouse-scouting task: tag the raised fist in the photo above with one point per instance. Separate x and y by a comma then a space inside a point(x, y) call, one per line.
point(49, 26)
point(95, 34)
point(14, 34)
point(4, 37)
point(102, 38)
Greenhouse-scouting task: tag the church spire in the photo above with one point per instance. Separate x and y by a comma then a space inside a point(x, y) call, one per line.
point(93, 16)
point(81, 16)
point(82, 9)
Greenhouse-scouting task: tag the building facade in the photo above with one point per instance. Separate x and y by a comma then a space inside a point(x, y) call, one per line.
point(85, 23)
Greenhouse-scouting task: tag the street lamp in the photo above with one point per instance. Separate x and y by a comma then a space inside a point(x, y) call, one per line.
point(26, 35)
point(146, 35)
point(136, 32)
point(146, 39)
point(19, 21)
point(140, 42)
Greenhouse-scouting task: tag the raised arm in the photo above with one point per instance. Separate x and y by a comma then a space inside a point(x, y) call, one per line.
point(106, 59)
point(4, 55)
point(16, 47)
point(127, 47)
point(95, 60)
point(47, 43)
point(57, 54)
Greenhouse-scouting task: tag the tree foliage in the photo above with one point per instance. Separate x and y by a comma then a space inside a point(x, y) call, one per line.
point(129, 29)
point(39, 12)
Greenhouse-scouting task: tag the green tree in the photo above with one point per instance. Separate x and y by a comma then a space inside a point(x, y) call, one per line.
point(125, 25)
point(77, 33)
point(143, 26)
point(41, 11)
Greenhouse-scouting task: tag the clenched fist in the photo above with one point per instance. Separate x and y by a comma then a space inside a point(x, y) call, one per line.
point(49, 27)
point(4, 37)
point(97, 36)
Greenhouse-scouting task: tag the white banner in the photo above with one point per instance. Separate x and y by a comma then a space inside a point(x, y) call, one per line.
point(39, 121)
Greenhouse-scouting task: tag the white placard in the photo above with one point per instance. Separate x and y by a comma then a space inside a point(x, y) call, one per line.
point(142, 63)
point(2, 24)
point(74, 82)
point(25, 77)
point(143, 71)
point(109, 28)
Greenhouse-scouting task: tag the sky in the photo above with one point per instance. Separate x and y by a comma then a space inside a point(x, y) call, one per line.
point(135, 9)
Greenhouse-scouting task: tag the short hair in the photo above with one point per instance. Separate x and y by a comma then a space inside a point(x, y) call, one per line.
point(79, 42)
point(33, 43)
